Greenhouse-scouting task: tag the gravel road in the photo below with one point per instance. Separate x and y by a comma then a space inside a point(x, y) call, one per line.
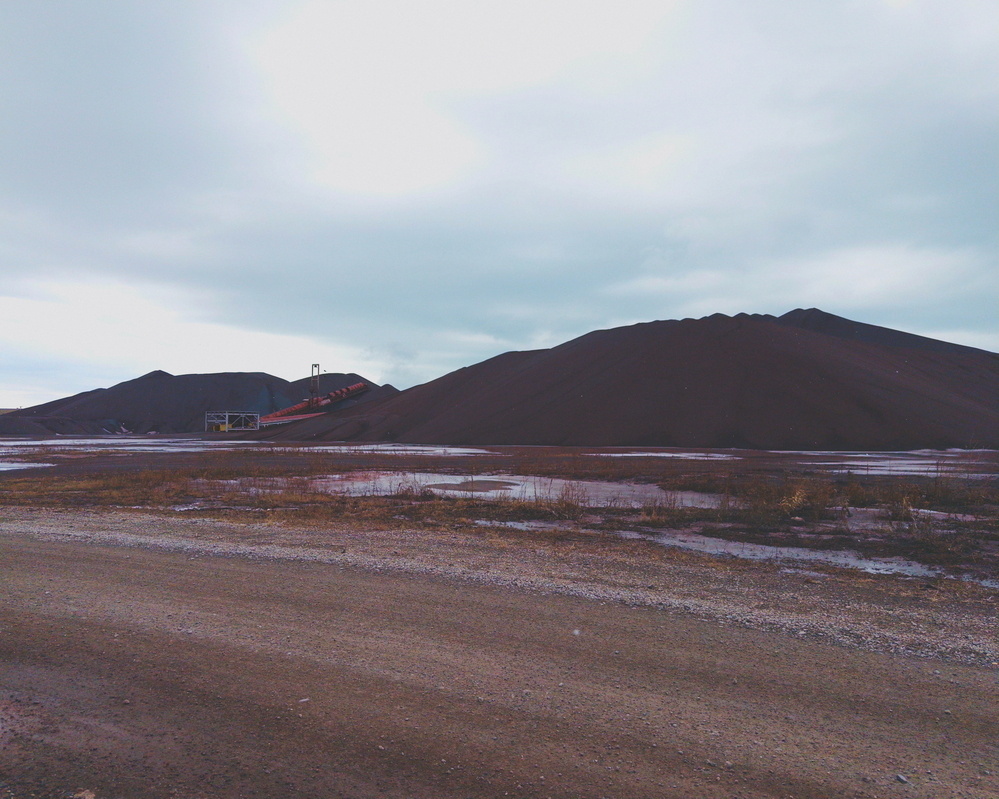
point(152, 656)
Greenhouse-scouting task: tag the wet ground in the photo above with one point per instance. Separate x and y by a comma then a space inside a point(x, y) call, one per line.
point(968, 463)
point(846, 559)
point(6, 466)
point(525, 488)
point(476, 480)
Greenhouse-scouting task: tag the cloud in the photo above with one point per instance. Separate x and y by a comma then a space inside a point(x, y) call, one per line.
point(122, 331)
point(856, 281)
point(861, 278)
point(374, 89)
point(418, 186)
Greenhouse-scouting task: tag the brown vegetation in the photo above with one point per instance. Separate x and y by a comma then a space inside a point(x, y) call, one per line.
point(939, 519)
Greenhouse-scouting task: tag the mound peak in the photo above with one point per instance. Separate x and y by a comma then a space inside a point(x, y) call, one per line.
point(806, 380)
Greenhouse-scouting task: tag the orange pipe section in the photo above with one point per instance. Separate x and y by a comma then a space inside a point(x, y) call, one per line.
point(333, 396)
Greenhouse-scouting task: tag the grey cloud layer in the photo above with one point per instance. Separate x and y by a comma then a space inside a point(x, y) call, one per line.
point(760, 156)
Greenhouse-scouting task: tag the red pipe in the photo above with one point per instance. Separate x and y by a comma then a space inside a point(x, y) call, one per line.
point(333, 396)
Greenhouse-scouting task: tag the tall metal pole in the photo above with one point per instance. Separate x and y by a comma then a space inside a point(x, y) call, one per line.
point(314, 385)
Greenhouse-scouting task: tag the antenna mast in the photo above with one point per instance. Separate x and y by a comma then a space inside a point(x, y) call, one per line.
point(314, 386)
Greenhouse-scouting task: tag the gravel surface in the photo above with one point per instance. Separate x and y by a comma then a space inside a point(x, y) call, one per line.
point(929, 618)
point(168, 656)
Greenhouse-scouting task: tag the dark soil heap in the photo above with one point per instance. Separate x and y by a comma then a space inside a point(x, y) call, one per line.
point(165, 403)
point(805, 380)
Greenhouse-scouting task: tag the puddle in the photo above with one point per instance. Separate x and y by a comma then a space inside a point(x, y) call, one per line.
point(116, 443)
point(944, 514)
point(806, 572)
point(191, 506)
point(15, 446)
point(474, 486)
point(920, 462)
point(954, 463)
point(588, 493)
point(8, 465)
point(688, 456)
point(976, 463)
point(397, 449)
point(718, 546)
point(739, 549)
point(842, 558)
point(526, 526)
point(908, 467)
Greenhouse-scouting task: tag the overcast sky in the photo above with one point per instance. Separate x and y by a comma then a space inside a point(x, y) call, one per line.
point(403, 188)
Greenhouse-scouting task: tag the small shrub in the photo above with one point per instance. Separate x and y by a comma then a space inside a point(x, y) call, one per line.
point(664, 510)
point(571, 502)
point(773, 502)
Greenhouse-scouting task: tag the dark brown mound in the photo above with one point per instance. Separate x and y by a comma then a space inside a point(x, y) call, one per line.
point(821, 322)
point(165, 403)
point(807, 380)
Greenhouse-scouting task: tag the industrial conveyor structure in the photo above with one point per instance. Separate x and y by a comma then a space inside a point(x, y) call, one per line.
point(229, 421)
point(308, 408)
point(315, 405)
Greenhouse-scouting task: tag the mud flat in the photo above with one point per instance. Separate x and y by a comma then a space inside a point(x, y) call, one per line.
point(156, 656)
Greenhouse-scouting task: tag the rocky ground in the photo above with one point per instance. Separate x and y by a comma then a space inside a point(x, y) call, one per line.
point(154, 655)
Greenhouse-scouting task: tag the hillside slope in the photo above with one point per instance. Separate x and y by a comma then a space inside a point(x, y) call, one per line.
point(806, 380)
point(165, 403)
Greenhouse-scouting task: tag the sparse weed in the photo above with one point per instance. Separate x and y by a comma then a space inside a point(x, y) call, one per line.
point(663, 511)
point(570, 502)
point(767, 503)
point(755, 503)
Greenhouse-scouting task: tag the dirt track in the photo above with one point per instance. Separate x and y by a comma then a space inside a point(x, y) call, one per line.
point(164, 671)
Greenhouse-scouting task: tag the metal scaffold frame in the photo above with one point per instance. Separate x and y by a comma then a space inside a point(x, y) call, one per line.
point(224, 421)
